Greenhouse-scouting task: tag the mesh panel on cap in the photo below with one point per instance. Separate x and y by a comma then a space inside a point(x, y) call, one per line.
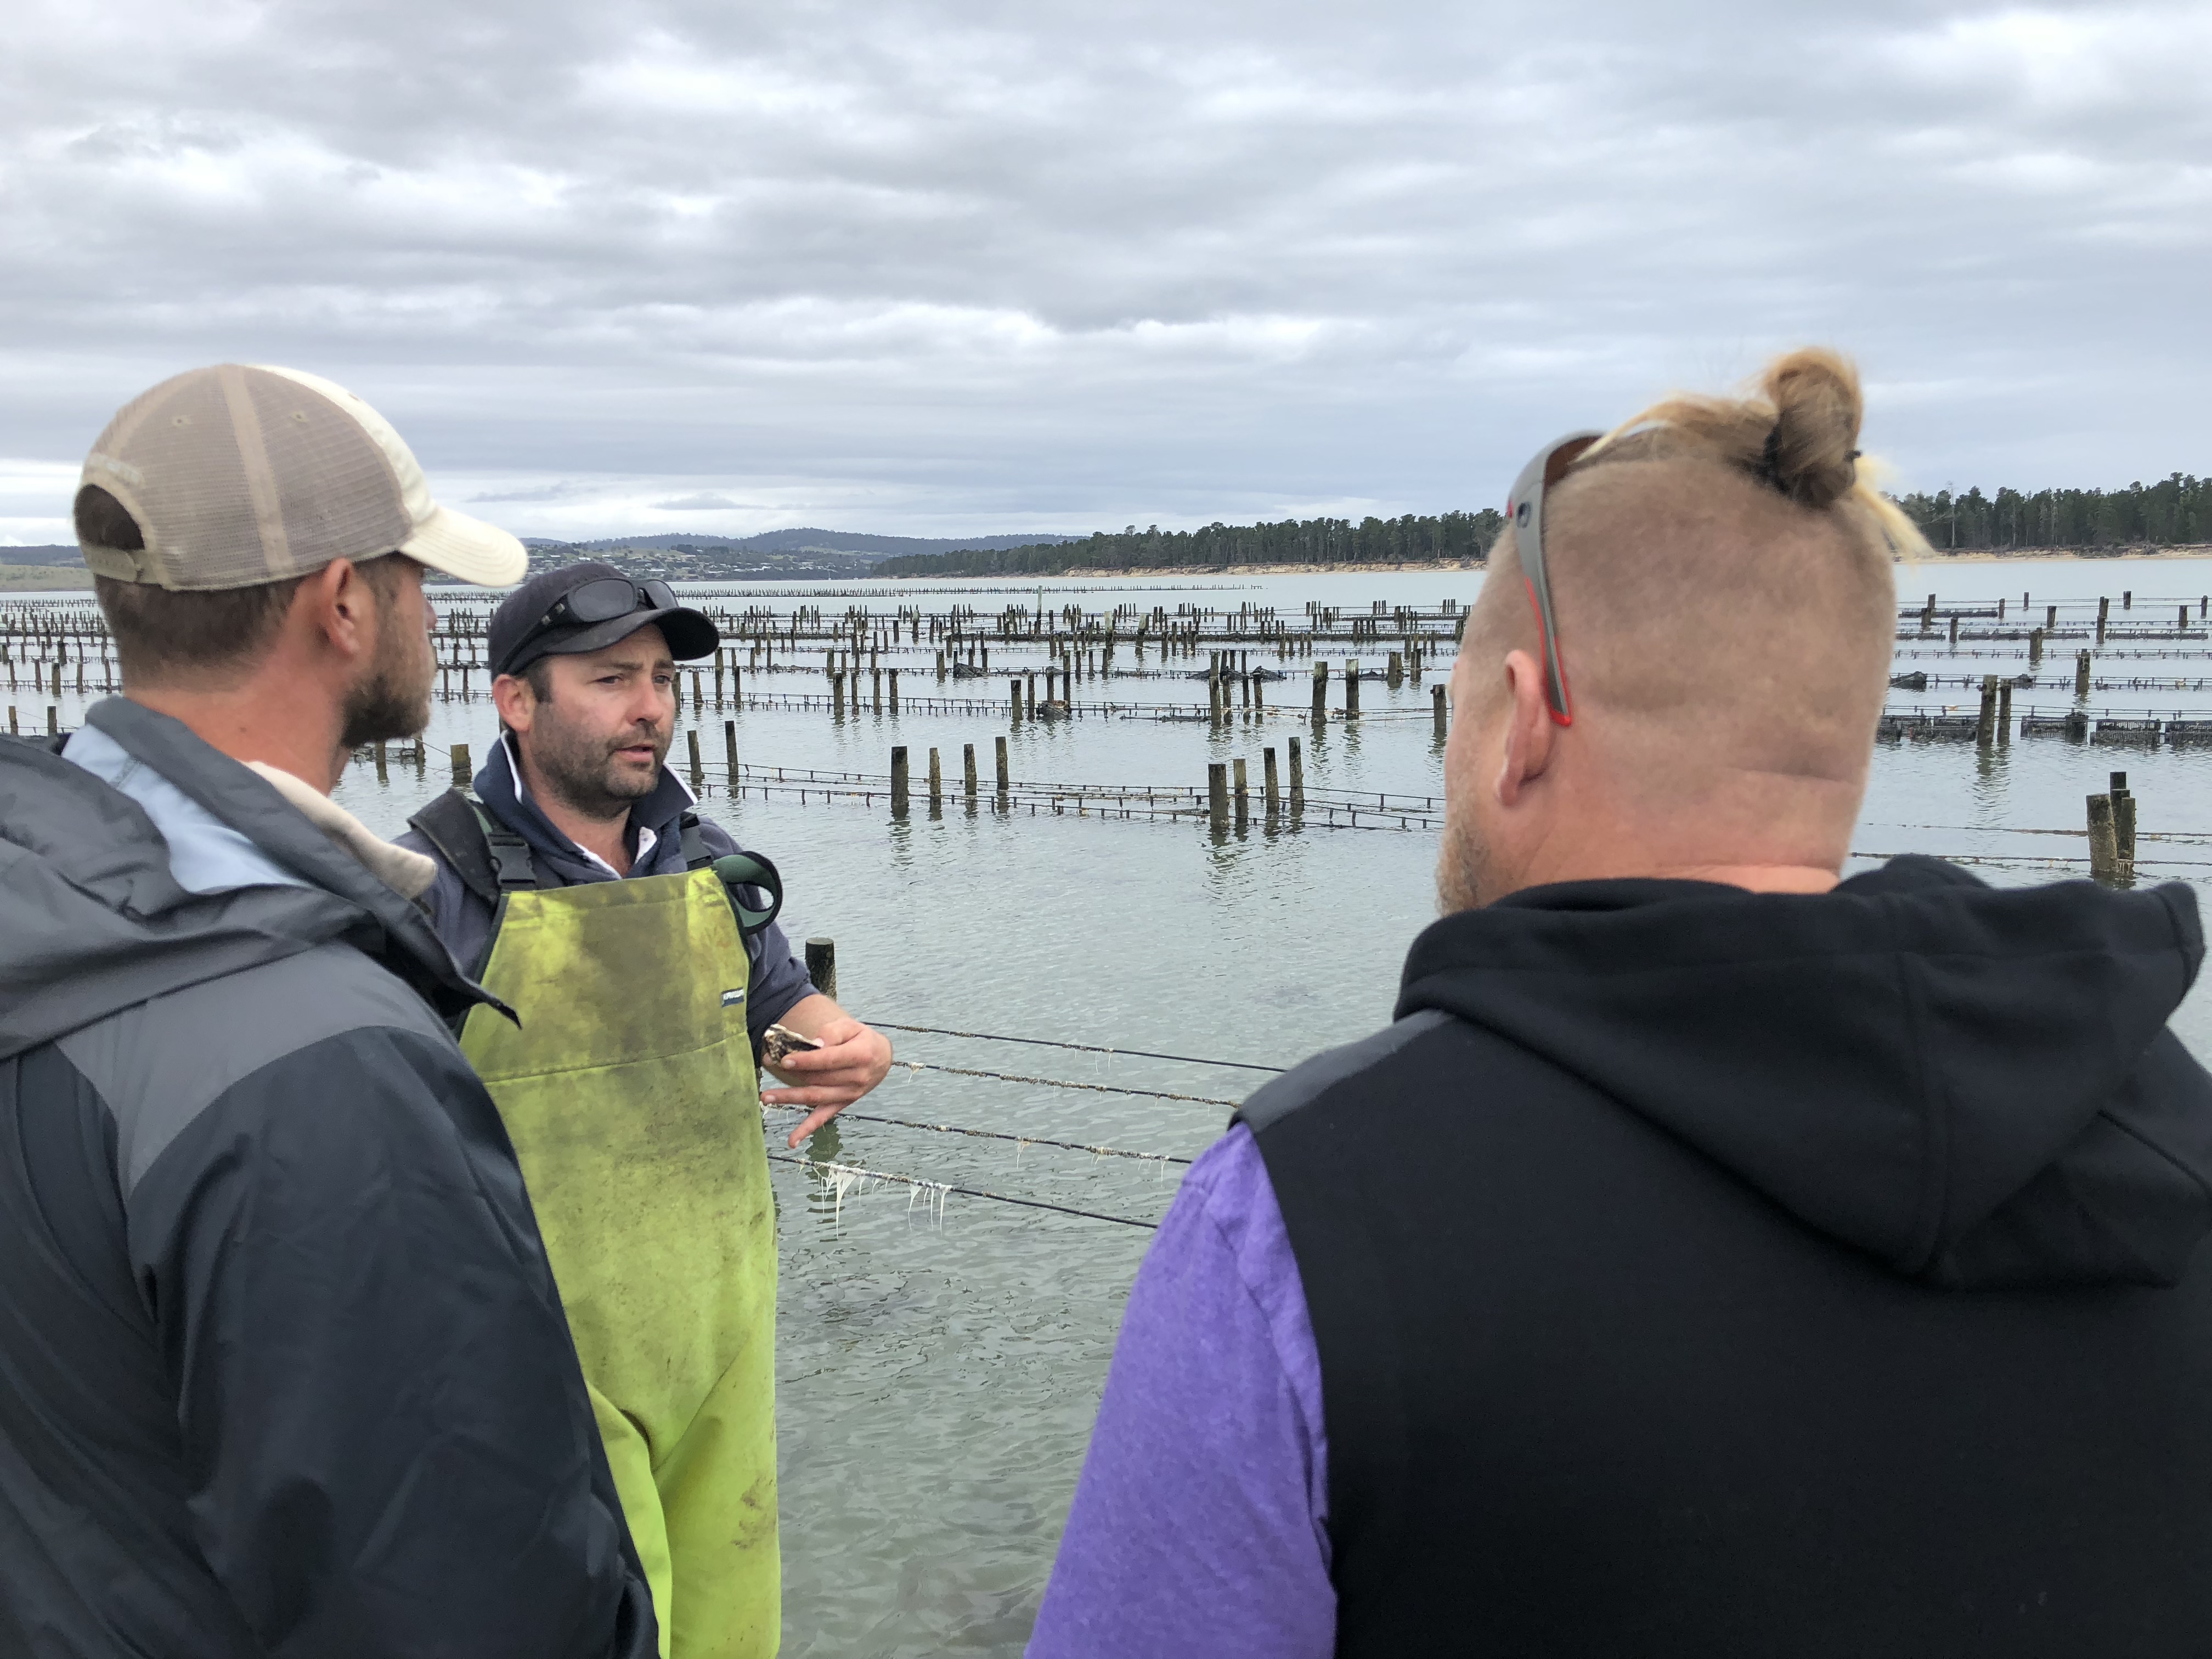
point(248, 477)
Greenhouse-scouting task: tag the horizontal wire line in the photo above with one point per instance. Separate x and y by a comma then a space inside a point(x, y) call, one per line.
point(1062, 1083)
point(812, 1165)
point(993, 1134)
point(1084, 1047)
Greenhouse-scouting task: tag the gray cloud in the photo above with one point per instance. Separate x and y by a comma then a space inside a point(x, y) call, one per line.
point(965, 267)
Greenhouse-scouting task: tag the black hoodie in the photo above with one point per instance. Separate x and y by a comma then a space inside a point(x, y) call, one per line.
point(1699, 1271)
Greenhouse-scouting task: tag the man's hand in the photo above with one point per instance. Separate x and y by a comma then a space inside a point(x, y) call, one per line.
point(852, 1060)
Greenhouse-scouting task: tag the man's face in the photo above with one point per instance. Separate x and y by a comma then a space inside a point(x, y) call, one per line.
point(392, 698)
point(599, 738)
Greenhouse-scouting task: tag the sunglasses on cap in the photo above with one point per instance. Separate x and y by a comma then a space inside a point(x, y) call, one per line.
point(603, 599)
point(1525, 507)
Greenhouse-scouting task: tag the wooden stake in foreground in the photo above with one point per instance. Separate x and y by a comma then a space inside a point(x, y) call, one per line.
point(2104, 841)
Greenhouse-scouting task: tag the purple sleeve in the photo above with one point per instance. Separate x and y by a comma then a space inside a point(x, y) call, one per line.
point(1199, 1525)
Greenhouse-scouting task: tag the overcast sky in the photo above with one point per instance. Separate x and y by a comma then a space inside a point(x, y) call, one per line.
point(934, 269)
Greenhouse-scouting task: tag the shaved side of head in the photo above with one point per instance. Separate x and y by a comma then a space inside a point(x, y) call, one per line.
point(1720, 573)
point(1710, 624)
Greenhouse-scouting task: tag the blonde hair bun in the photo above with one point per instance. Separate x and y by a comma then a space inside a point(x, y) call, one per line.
point(1798, 434)
point(1811, 452)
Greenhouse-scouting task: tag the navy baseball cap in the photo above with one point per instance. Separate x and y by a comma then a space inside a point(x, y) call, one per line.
point(589, 607)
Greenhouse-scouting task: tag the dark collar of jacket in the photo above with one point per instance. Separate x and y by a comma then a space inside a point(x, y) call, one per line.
point(661, 811)
point(391, 929)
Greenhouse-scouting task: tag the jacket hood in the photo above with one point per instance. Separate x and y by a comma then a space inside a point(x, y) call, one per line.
point(1975, 1084)
point(94, 921)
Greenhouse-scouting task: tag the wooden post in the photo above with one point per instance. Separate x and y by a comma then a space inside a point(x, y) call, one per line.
point(1985, 728)
point(2104, 841)
point(729, 751)
point(1352, 689)
point(2124, 824)
point(2081, 673)
point(53, 718)
point(1954, 631)
point(899, 782)
point(875, 690)
point(2034, 648)
point(936, 781)
point(837, 695)
point(2004, 712)
point(1319, 691)
point(691, 739)
point(1396, 671)
point(1243, 796)
point(1274, 786)
point(1003, 786)
point(2049, 616)
point(1217, 794)
point(1297, 777)
point(1437, 706)
point(968, 770)
point(462, 770)
point(821, 966)
point(894, 690)
point(382, 775)
point(2104, 612)
point(1014, 702)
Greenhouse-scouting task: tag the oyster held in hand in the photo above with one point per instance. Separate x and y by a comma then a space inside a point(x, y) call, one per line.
point(779, 1041)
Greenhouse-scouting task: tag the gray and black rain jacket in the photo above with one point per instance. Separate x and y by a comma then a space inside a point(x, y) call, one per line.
point(283, 1369)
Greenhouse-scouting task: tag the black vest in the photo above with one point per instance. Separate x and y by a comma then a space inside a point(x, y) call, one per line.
point(1587, 1393)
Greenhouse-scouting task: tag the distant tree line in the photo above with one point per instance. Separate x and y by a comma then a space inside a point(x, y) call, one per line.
point(2176, 511)
point(1412, 539)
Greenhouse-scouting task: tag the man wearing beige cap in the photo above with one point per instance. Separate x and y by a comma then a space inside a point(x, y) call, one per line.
point(282, 1368)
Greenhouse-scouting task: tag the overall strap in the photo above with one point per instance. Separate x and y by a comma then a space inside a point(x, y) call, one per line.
point(739, 871)
point(695, 855)
point(489, 858)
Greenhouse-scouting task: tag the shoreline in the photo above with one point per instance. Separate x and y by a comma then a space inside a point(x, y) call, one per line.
point(72, 579)
point(1977, 555)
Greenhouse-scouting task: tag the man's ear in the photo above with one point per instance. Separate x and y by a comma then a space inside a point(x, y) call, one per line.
point(340, 607)
point(1530, 732)
point(516, 703)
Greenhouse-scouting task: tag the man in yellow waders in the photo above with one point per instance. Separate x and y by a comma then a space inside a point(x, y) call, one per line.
point(639, 947)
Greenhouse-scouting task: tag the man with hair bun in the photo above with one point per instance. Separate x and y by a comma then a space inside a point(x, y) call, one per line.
point(1716, 1256)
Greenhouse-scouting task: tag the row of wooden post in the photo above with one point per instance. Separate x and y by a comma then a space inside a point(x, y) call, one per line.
point(970, 784)
point(1221, 798)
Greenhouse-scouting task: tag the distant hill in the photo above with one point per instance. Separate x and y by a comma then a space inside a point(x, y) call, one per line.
point(48, 555)
point(856, 543)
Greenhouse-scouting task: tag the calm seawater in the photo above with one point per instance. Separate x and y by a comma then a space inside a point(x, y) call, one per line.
point(938, 1368)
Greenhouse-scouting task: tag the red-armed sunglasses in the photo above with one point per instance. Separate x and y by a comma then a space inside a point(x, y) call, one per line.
point(1525, 507)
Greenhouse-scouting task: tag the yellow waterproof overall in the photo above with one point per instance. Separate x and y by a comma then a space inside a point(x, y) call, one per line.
point(630, 1095)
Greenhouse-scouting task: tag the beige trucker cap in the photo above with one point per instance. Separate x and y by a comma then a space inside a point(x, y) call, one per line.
point(240, 474)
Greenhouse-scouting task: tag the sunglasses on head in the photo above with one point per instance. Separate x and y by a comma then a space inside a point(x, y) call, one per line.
point(1525, 507)
point(603, 599)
